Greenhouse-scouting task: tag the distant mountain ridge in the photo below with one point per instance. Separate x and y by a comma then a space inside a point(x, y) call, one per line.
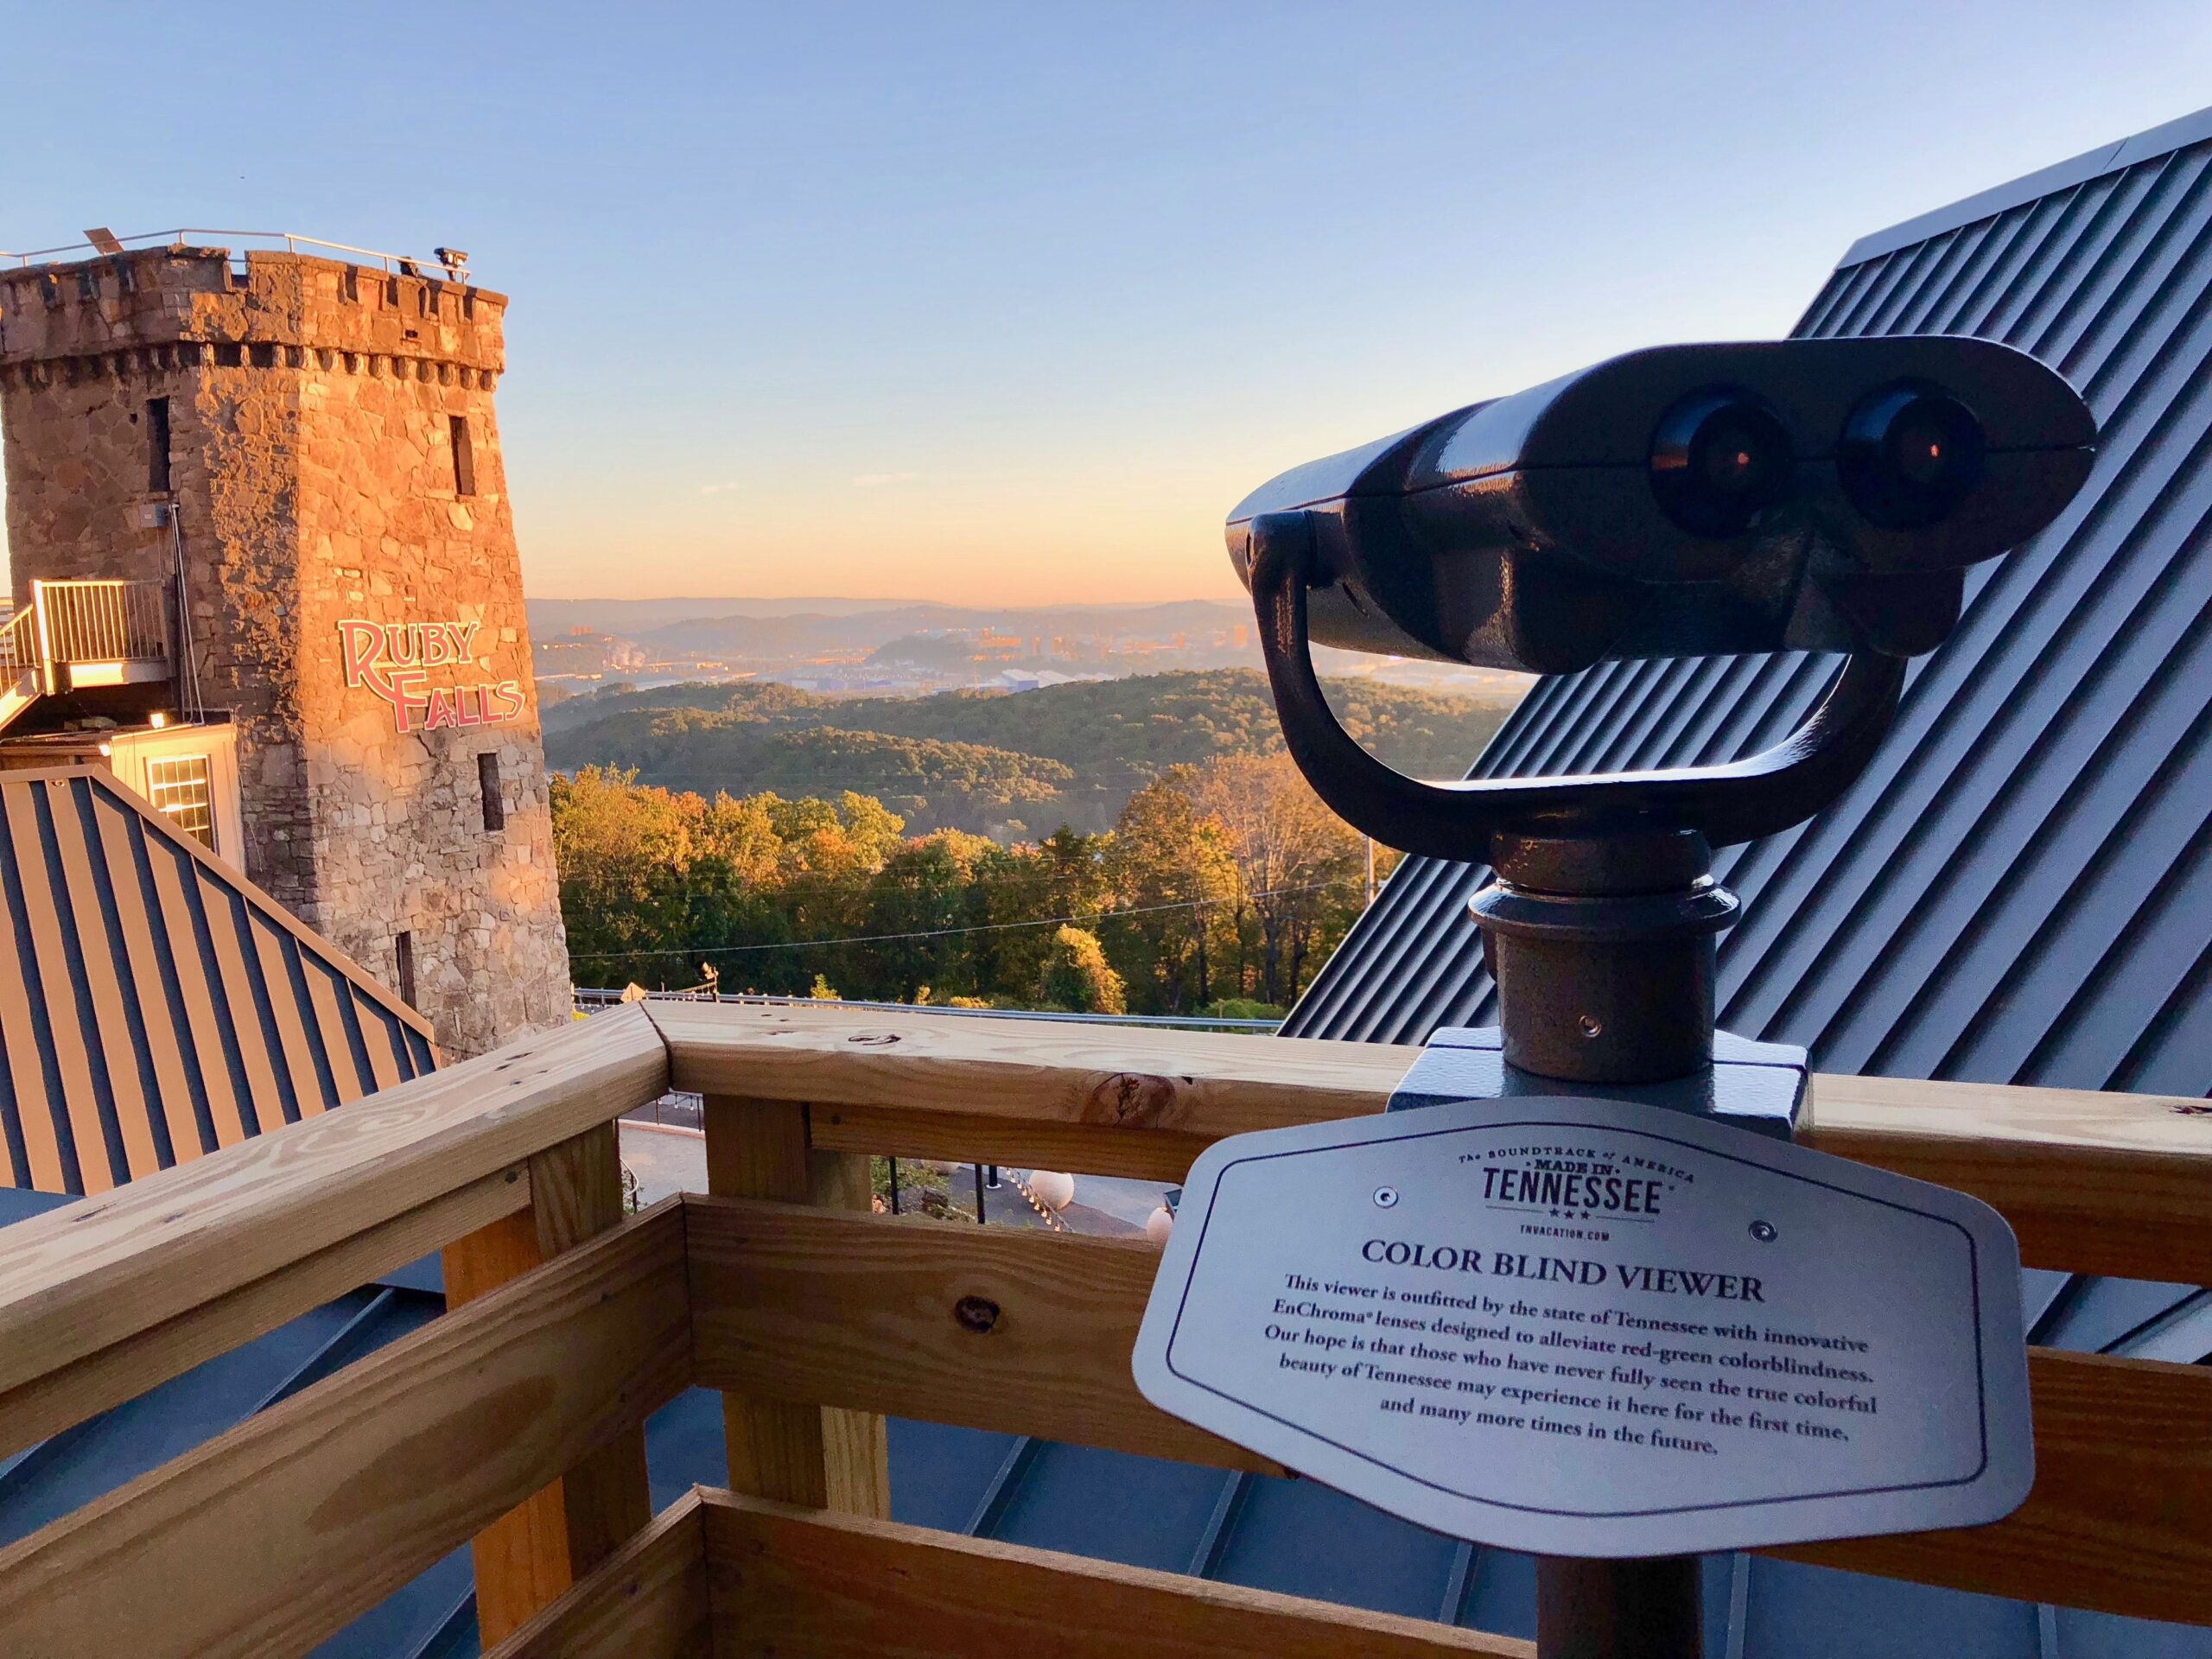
point(629, 616)
point(977, 761)
point(757, 627)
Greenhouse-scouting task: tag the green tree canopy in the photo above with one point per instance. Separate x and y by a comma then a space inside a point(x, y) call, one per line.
point(1216, 884)
point(1076, 977)
point(1175, 888)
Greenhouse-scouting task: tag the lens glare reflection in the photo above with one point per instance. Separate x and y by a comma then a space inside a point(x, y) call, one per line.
point(1720, 459)
point(1909, 455)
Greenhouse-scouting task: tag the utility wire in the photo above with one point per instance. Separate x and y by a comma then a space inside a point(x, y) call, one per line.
point(944, 932)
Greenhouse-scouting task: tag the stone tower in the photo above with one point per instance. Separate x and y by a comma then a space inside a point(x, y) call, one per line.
point(312, 444)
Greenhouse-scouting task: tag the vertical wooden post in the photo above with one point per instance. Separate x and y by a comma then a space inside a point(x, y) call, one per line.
point(526, 1558)
point(825, 1456)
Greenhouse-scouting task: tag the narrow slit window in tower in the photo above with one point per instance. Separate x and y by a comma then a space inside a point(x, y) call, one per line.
point(157, 445)
point(487, 784)
point(403, 951)
point(464, 458)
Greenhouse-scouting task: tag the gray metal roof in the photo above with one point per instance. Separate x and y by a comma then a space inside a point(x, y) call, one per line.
point(2043, 182)
point(2019, 889)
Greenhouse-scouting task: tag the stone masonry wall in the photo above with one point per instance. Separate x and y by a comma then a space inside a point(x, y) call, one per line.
point(313, 476)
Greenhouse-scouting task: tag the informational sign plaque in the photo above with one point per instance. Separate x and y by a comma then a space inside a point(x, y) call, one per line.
point(1588, 1327)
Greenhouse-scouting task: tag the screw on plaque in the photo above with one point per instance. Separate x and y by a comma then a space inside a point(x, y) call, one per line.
point(1386, 1195)
point(1763, 1231)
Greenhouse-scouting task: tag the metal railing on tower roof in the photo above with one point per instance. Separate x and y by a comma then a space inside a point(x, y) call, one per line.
point(455, 268)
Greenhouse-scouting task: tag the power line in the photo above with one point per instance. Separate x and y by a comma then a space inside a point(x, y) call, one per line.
point(808, 884)
point(944, 932)
point(841, 780)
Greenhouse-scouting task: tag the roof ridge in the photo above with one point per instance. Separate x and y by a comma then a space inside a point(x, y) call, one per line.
point(2147, 145)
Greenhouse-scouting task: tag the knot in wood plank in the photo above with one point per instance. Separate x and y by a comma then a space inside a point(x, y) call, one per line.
point(1130, 1099)
point(977, 1313)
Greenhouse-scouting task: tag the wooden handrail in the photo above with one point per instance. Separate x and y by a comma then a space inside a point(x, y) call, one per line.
point(100, 620)
point(375, 1471)
point(1202, 1083)
point(82, 1388)
point(99, 1273)
point(805, 1584)
point(19, 641)
point(648, 1600)
point(749, 1576)
point(2092, 1183)
point(336, 1496)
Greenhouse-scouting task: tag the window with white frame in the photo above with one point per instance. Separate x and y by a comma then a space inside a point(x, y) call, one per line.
point(180, 792)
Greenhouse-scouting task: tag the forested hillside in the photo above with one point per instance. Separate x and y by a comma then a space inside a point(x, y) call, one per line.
point(1220, 888)
point(931, 784)
point(1015, 766)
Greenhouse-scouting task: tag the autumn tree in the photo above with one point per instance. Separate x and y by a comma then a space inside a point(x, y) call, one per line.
point(1076, 977)
point(731, 886)
point(625, 854)
point(1023, 892)
point(1224, 883)
point(1299, 867)
point(921, 906)
point(1175, 888)
point(827, 854)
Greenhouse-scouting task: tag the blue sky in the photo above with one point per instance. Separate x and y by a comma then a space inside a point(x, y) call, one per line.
point(1012, 302)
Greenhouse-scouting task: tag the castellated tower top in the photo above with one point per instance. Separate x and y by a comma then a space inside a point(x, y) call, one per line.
point(277, 304)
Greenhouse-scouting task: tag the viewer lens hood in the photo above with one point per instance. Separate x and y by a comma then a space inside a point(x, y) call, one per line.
point(1690, 501)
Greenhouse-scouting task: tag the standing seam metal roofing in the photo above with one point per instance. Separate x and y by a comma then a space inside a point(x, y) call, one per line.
point(154, 1004)
point(2019, 889)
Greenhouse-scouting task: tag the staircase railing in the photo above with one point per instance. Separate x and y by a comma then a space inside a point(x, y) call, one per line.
point(101, 621)
point(19, 643)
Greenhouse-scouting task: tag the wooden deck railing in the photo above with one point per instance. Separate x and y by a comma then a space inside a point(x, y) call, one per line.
point(516, 1419)
point(102, 621)
point(19, 642)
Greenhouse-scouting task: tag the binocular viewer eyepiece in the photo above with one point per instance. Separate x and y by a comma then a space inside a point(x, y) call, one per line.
point(1689, 500)
point(1820, 495)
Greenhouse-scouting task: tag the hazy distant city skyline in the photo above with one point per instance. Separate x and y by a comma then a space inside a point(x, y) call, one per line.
point(1008, 305)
